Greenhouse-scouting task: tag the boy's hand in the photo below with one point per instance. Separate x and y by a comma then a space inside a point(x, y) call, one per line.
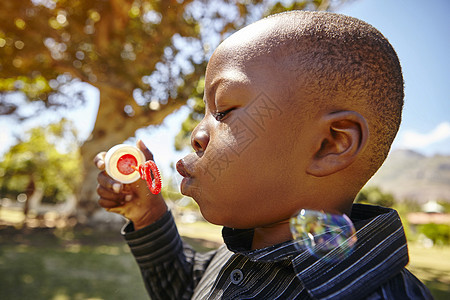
point(134, 201)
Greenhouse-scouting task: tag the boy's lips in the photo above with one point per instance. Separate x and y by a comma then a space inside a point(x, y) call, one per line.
point(185, 185)
point(181, 168)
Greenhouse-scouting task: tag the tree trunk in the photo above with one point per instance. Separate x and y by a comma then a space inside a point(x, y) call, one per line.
point(31, 188)
point(112, 126)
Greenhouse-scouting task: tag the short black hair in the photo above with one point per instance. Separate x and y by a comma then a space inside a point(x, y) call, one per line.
point(348, 63)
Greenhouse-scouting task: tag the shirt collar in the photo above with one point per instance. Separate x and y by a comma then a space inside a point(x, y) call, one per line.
point(380, 250)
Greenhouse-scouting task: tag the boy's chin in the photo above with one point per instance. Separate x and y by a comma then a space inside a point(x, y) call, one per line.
point(189, 189)
point(216, 218)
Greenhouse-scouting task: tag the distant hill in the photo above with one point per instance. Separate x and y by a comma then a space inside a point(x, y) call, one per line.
point(408, 174)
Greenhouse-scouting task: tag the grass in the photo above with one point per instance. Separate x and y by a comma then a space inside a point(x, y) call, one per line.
point(60, 264)
point(432, 267)
point(39, 264)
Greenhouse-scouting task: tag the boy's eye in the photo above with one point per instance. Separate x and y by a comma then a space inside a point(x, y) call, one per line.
point(220, 115)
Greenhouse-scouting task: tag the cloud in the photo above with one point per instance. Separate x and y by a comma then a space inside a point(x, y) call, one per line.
point(415, 140)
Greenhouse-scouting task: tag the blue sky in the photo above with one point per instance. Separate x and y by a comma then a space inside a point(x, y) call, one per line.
point(419, 32)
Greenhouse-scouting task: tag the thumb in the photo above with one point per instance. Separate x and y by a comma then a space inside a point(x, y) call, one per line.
point(147, 153)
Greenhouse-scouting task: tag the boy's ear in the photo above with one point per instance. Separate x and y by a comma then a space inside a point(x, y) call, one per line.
point(342, 136)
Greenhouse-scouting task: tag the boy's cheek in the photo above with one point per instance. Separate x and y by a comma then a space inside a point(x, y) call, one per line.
point(236, 153)
point(243, 133)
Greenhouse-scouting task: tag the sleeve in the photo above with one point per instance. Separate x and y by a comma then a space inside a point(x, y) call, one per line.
point(170, 268)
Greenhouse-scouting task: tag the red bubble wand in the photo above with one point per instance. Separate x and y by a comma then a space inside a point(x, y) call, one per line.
point(147, 171)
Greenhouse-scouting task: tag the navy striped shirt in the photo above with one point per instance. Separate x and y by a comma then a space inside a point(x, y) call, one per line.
point(375, 269)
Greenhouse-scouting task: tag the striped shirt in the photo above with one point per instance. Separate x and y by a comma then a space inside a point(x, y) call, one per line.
point(375, 269)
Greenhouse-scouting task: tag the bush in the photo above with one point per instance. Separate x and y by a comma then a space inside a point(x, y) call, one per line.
point(438, 233)
point(374, 196)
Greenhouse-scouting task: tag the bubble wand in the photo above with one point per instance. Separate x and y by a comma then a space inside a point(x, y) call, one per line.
point(127, 164)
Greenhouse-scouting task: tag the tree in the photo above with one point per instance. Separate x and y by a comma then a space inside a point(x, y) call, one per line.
point(144, 56)
point(47, 160)
point(374, 196)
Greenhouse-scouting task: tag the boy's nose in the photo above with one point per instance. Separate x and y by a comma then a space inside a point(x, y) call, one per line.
point(199, 139)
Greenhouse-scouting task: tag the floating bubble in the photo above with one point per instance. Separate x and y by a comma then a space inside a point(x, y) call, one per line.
point(324, 235)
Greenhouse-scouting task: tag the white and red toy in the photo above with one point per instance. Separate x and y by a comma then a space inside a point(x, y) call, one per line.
point(126, 163)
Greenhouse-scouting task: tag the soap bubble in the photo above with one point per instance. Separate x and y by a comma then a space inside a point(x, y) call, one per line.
point(324, 235)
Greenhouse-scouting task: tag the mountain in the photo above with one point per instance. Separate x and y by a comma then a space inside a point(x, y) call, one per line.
point(410, 175)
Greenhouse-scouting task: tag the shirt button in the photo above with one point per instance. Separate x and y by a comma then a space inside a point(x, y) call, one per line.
point(236, 276)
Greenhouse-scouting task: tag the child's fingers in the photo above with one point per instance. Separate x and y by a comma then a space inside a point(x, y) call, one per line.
point(147, 153)
point(108, 183)
point(106, 203)
point(108, 198)
point(99, 160)
point(108, 194)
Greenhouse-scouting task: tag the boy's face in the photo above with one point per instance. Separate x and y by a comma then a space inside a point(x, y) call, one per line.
point(251, 148)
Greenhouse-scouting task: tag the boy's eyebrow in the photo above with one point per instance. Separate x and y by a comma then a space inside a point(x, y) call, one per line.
point(230, 77)
point(212, 90)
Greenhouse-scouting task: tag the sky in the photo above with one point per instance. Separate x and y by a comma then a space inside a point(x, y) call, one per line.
point(418, 30)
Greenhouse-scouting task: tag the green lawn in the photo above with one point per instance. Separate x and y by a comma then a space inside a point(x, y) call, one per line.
point(432, 267)
point(62, 264)
point(40, 265)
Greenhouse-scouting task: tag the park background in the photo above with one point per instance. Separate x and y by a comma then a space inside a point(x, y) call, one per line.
point(59, 250)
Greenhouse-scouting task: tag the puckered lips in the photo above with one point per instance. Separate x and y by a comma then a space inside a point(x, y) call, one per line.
point(181, 168)
point(184, 171)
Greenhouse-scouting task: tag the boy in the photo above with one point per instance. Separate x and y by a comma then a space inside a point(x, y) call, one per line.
point(301, 110)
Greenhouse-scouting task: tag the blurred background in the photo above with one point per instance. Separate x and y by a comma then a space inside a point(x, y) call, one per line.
point(78, 77)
